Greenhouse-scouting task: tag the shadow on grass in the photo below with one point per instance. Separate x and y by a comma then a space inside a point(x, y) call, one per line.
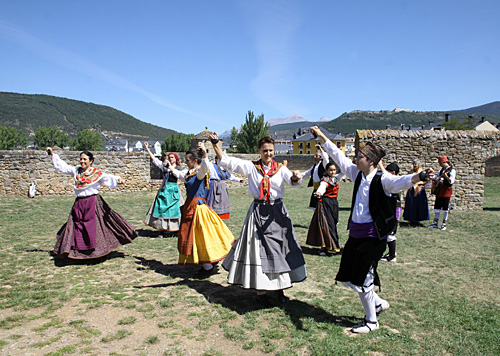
point(155, 233)
point(491, 209)
point(66, 261)
point(239, 299)
point(315, 252)
point(405, 224)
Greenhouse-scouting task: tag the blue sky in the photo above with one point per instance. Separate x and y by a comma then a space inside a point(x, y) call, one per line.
point(186, 64)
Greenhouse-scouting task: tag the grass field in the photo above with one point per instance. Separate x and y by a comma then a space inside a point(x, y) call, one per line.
point(443, 290)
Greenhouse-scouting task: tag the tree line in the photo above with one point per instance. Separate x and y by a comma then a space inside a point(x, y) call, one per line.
point(244, 140)
point(14, 139)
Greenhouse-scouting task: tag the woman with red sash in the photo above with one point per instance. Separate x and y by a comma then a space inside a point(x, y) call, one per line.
point(267, 257)
point(93, 229)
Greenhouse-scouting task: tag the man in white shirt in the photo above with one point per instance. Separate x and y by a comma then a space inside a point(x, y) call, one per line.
point(372, 220)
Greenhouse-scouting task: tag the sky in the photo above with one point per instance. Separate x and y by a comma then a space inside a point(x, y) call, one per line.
point(186, 65)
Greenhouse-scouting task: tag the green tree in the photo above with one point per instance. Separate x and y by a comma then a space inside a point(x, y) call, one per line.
point(51, 136)
point(455, 124)
point(178, 142)
point(12, 138)
point(247, 139)
point(88, 140)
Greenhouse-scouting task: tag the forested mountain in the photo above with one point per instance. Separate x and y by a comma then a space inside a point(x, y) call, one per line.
point(348, 123)
point(379, 120)
point(491, 109)
point(29, 112)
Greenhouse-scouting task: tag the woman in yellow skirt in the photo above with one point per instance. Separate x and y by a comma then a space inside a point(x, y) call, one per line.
point(203, 237)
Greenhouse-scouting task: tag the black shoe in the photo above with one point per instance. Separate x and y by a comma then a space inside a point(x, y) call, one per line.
point(263, 300)
point(204, 273)
point(388, 258)
point(280, 295)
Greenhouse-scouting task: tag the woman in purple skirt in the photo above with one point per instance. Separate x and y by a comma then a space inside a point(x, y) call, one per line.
point(93, 229)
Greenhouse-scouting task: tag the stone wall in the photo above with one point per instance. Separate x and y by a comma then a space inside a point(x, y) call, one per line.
point(466, 150)
point(19, 168)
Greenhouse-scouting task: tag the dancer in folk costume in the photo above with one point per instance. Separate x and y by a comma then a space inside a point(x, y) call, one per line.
point(165, 212)
point(323, 227)
point(218, 196)
point(203, 237)
point(316, 172)
point(372, 219)
point(93, 229)
point(393, 169)
point(442, 186)
point(267, 256)
point(416, 203)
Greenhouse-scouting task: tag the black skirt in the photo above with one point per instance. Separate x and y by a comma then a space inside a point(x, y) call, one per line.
point(358, 256)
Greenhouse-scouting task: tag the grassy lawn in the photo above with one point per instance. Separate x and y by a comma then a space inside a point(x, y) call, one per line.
point(443, 290)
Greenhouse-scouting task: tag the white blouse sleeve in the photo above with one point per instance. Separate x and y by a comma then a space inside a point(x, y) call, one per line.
point(110, 180)
point(395, 184)
point(339, 157)
point(322, 188)
point(452, 175)
point(158, 163)
point(202, 171)
point(180, 175)
point(237, 165)
point(62, 166)
point(326, 158)
point(307, 173)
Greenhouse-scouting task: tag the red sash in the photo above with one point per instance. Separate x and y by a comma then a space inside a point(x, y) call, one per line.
point(265, 184)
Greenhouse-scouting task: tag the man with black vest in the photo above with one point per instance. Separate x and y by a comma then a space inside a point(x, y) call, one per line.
point(316, 172)
point(372, 219)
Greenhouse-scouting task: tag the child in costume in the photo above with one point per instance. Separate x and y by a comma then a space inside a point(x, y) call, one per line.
point(323, 227)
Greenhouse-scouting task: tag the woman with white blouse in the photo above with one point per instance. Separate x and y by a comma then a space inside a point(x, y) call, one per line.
point(267, 256)
point(93, 229)
point(203, 237)
point(165, 212)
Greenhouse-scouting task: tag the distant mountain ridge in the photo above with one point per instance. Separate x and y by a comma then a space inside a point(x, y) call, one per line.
point(28, 112)
point(492, 108)
point(294, 118)
point(348, 123)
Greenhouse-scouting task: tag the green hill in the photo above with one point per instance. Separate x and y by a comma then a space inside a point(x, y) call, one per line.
point(491, 109)
point(29, 112)
point(378, 120)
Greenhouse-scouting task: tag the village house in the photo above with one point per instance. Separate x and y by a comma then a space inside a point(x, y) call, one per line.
point(306, 143)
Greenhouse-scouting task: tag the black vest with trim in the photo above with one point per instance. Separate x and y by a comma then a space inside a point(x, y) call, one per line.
point(321, 173)
point(382, 208)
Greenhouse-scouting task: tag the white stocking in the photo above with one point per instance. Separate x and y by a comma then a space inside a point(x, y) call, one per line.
point(368, 301)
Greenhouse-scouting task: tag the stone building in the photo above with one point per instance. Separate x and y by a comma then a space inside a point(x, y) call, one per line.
point(467, 151)
point(204, 137)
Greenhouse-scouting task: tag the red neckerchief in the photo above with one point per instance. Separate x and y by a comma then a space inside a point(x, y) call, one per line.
point(265, 184)
point(86, 178)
